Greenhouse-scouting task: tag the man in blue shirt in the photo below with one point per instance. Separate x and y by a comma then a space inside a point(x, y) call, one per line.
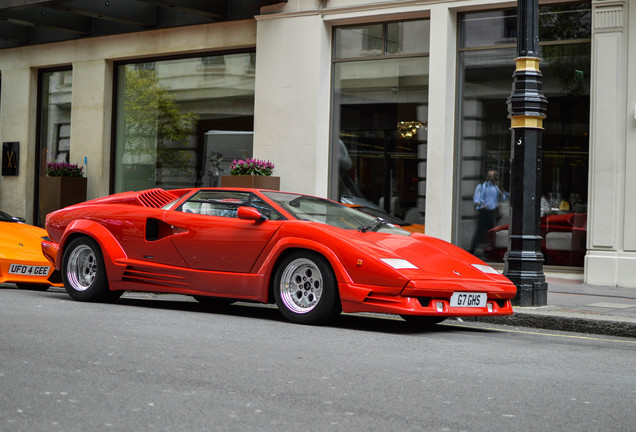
point(486, 198)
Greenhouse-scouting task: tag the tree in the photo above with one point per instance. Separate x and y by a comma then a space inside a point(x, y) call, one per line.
point(156, 131)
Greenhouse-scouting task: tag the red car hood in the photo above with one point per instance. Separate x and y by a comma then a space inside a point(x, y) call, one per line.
point(434, 258)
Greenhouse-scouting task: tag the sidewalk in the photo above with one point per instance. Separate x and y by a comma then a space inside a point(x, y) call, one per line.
point(579, 307)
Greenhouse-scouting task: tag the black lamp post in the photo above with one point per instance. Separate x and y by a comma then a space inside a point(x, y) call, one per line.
point(526, 107)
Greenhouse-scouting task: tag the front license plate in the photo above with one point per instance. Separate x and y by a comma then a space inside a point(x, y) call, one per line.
point(468, 299)
point(30, 270)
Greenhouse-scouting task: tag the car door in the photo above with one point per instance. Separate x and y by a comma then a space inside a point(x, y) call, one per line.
point(138, 234)
point(210, 236)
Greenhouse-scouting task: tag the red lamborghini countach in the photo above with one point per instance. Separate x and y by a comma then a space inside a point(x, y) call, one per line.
point(312, 257)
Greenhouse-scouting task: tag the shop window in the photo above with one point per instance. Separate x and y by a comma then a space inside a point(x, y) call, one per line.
point(359, 41)
point(486, 62)
point(407, 37)
point(55, 117)
point(181, 122)
point(54, 122)
point(380, 117)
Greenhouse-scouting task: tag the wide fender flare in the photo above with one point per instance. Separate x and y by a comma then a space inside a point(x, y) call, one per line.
point(111, 249)
point(268, 266)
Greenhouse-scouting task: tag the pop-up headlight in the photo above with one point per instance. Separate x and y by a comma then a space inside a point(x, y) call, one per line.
point(398, 263)
point(485, 268)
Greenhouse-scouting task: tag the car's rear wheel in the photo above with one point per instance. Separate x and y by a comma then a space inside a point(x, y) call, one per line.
point(305, 289)
point(419, 321)
point(84, 273)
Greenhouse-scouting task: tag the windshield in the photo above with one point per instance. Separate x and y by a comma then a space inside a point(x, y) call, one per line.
point(4, 217)
point(377, 213)
point(331, 213)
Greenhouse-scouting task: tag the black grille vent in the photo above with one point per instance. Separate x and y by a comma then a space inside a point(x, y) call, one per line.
point(155, 198)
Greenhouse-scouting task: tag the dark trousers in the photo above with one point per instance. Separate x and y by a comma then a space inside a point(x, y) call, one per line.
point(485, 222)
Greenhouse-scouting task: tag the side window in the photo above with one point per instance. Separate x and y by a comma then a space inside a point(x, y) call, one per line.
point(216, 203)
point(226, 204)
point(265, 209)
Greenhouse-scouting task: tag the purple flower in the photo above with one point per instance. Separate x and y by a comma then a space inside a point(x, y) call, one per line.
point(63, 169)
point(251, 166)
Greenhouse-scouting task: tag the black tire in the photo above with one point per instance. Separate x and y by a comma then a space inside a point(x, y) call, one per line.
point(422, 322)
point(33, 287)
point(84, 273)
point(305, 289)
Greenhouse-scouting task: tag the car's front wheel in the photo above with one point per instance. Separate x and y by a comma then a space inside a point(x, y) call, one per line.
point(84, 273)
point(305, 289)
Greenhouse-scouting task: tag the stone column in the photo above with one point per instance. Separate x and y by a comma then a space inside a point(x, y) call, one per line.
point(611, 241)
point(91, 123)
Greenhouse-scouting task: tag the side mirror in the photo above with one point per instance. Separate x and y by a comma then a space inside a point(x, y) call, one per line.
point(250, 213)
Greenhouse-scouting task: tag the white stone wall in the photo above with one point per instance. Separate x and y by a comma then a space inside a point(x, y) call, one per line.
point(611, 257)
point(292, 96)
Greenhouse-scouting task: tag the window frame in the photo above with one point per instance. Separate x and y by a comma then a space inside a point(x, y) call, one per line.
point(151, 59)
point(333, 190)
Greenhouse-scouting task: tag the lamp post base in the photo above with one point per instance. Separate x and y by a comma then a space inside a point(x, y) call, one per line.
point(532, 290)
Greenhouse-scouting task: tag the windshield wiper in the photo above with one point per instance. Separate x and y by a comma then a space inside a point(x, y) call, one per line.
point(374, 225)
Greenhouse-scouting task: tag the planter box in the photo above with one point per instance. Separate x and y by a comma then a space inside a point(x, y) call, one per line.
point(59, 192)
point(251, 181)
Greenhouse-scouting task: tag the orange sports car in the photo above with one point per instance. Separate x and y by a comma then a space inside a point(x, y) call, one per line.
point(21, 258)
point(311, 256)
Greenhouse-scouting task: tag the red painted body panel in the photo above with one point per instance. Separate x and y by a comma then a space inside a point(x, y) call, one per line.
point(241, 241)
point(145, 276)
point(147, 248)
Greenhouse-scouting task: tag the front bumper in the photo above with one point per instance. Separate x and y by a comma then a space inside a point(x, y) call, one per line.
point(428, 298)
point(51, 276)
point(50, 250)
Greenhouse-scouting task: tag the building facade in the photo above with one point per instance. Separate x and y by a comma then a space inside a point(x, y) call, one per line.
point(399, 105)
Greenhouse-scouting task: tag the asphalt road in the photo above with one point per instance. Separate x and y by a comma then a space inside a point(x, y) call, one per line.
point(164, 363)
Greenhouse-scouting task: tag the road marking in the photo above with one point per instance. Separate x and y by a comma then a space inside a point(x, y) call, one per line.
point(612, 305)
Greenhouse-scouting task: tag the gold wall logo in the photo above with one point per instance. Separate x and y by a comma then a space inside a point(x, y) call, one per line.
point(10, 158)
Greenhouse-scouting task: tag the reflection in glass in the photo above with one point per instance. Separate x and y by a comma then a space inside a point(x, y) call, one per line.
point(176, 120)
point(482, 29)
point(324, 211)
point(54, 121)
point(484, 135)
point(55, 117)
point(358, 41)
point(381, 113)
point(499, 27)
point(408, 37)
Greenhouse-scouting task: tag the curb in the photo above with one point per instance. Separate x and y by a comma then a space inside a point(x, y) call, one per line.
point(600, 325)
